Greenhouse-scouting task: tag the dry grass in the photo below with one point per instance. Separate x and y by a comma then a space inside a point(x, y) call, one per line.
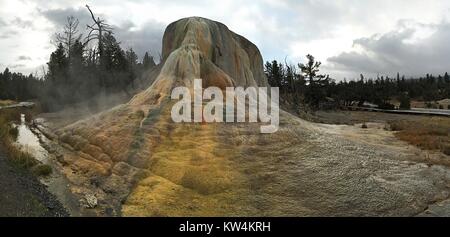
point(13, 114)
point(6, 117)
point(6, 102)
point(429, 133)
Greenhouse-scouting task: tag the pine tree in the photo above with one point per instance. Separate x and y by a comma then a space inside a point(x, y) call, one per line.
point(405, 101)
point(132, 57)
point(316, 82)
point(76, 59)
point(57, 66)
point(118, 72)
point(148, 61)
point(4, 79)
point(275, 74)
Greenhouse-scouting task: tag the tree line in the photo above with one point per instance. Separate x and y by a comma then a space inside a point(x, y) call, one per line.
point(16, 86)
point(302, 84)
point(80, 68)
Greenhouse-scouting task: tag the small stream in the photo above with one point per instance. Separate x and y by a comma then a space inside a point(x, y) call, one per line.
point(29, 140)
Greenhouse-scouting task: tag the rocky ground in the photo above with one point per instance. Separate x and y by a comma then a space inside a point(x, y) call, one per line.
point(305, 169)
point(21, 194)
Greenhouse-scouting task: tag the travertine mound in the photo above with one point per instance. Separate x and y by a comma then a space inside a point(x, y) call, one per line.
point(233, 54)
point(196, 48)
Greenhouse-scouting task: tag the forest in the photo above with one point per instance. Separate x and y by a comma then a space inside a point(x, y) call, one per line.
point(80, 68)
point(303, 84)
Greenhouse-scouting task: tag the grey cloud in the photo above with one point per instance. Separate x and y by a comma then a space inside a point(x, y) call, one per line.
point(14, 66)
point(24, 24)
point(147, 38)
point(23, 58)
point(59, 16)
point(393, 52)
point(2, 23)
point(276, 26)
point(8, 34)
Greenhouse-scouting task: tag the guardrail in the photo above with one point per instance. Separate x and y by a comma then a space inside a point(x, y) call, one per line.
point(19, 105)
point(417, 111)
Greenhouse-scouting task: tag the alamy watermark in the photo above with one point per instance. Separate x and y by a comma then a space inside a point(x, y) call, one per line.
point(236, 99)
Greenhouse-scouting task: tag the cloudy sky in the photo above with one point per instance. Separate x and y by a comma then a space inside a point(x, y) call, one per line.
point(349, 36)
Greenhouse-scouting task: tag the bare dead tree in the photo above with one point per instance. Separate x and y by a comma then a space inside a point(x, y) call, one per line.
point(69, 35)
point(96, 32)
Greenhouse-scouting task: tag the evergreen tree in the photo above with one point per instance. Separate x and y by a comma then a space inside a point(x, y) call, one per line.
point(132, 57)
point(57, 66)
point(148, 61)
point(118, 72)
point(4, 84)
point(274, 72)
point(316, 82)
point(405, 101)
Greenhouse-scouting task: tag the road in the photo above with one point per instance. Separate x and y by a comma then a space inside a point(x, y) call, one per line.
point(21, 104)
point(414, 111)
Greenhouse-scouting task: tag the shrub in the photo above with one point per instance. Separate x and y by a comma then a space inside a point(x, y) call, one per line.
point(364, 125)
point(21, 159)
point(387, 106)
point(396, 126)
point(14, 132)
point(42, 170)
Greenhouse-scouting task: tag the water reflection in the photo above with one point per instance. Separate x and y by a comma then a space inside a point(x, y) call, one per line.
point(29, 142)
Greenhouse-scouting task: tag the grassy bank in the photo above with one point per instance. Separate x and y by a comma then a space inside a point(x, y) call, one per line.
point(8, 135)
point(6, 102)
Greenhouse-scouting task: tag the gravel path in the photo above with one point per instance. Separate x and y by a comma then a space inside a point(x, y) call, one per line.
point(21, 194)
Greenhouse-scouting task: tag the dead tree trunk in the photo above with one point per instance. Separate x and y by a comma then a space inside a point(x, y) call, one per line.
point(96, 31)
